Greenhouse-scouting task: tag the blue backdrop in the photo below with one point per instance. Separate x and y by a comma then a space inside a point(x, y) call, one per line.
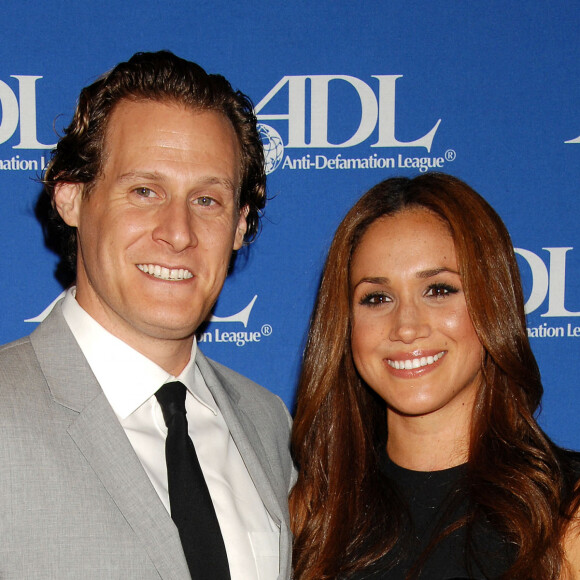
point(348, 94)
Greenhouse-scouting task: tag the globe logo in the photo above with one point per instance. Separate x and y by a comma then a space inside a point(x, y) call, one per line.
point(273, 147)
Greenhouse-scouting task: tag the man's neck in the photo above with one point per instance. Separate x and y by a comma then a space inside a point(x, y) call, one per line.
point(171, 350)
point(172, 355)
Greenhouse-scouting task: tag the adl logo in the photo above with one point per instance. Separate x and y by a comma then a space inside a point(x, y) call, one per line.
point(377, 110)
point(21, 110)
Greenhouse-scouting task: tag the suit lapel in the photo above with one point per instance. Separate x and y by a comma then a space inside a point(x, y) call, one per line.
point(245, 436)
point(102, 441)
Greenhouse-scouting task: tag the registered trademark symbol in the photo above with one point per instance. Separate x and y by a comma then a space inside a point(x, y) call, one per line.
point(450, 155)
point(266, 330)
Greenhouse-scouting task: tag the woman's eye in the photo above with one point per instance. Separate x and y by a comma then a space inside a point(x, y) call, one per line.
point(375, 299)
point(441, 290)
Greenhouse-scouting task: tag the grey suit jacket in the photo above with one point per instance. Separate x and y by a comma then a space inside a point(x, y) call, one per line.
point(75, 502)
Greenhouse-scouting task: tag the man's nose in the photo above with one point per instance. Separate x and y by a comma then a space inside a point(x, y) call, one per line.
point(174, 226)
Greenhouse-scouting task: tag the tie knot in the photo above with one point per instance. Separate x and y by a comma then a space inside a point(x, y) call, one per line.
point(171, 397)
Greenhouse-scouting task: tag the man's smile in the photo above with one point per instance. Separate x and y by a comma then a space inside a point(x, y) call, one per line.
point(164, 273)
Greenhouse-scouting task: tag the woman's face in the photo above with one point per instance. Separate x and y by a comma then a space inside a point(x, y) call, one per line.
point(412, 338)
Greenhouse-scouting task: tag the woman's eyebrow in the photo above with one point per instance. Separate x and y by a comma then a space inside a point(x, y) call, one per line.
point(434, 272)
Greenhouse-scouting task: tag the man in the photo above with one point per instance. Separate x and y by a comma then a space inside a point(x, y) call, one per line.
point(158, 179)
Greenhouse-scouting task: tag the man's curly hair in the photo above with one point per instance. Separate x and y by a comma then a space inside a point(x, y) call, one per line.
point(157, 76)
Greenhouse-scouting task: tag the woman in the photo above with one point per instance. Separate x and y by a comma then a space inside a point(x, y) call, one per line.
point(415, 438)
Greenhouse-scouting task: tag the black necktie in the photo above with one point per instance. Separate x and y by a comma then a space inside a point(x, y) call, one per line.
point(191, 506)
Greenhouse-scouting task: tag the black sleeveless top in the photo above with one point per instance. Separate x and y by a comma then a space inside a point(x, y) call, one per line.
point(435, 500)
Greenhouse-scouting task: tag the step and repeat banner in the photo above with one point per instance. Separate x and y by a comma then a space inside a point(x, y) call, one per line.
point(347, 94)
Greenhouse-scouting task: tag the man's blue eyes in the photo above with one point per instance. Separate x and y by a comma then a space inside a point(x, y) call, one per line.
point(204, 200)
point(145, 192)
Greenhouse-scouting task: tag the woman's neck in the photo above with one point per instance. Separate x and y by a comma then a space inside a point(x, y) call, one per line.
point(428, 442)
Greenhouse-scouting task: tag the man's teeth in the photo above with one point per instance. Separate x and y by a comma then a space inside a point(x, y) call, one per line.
point(415, 363)
point(165, 273)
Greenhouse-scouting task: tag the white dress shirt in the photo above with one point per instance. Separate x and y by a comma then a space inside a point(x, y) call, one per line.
point(129, 381)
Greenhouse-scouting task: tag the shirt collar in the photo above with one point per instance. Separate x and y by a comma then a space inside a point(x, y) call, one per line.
point(127, 377)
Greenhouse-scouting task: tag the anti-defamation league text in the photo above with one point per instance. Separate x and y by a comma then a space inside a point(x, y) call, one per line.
point(545, 331)
point(422, 164)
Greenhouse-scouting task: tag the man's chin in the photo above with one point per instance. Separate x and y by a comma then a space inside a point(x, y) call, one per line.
point(171, 332)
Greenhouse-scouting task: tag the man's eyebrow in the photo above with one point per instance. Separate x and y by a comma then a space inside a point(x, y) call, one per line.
point(132, 175)
point(156, 176)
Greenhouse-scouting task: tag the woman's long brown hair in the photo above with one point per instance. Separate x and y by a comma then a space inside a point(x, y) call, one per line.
point(345, 514)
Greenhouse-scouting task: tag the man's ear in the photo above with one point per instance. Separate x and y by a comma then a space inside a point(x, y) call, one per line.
point(67, 200)
point(241, 228)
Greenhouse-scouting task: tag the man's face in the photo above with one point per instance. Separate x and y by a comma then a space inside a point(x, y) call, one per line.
point(156, 232)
